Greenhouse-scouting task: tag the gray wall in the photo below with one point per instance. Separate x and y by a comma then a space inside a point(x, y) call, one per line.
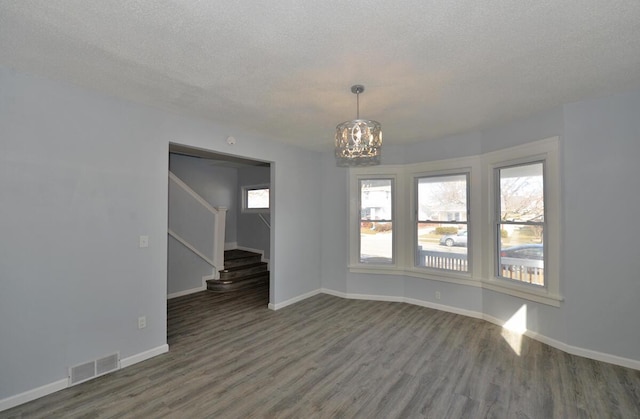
point(217, 185)
point(334, 222)
point(82, 175)
point(600, 147)
point(602, 200)
point(253, 233)
point(295, 258)
point(185, 269)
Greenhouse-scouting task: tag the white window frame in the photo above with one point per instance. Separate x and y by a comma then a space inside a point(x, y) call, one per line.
point(498, 222)
point(378, 172)
point(245, 192)
point(470, 165)
point(545, 151)
point(466, 171)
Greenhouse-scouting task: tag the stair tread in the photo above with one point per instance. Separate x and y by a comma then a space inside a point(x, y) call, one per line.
point(237, 286)
point(240, 279)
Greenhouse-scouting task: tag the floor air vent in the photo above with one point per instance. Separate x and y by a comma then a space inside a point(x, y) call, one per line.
point(92, 369)
point(107, 364)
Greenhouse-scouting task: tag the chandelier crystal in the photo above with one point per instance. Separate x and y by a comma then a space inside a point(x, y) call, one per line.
point(358, 142)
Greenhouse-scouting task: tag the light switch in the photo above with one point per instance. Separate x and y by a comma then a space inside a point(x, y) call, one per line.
point(144, 241)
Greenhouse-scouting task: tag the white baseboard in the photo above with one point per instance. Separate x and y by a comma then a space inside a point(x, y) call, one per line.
point(294, 300)
point(143, 356)
point(50, 388)
point(230, 246)
point(442, 307)
point(421, 303)
point(585, 353)
point(36, 393)
point(187, 292)
point(370, 297)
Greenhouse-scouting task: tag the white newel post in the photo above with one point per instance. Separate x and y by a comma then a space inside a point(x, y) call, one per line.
point(218, 239)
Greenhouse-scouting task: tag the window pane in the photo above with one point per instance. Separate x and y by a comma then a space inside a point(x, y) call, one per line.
point(442, 198)
point(442, 222)
point(522, 253)
point(376, 242)
point(522, 193)
point(376, 221)
point(521, 223)
point(258, 198)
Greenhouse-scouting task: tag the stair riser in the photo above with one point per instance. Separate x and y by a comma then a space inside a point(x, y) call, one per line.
point(243, 272)
point(241, 261)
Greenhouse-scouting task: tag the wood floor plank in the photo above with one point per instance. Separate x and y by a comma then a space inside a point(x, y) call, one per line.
point(327, 357)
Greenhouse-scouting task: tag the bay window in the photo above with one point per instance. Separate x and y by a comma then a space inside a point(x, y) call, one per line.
point(489, 221)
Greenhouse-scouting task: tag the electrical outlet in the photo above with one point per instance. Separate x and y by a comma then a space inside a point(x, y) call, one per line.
point(438, 295)
point(142, 322)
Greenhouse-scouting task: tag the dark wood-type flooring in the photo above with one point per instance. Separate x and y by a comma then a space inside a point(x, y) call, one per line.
point(327, 357)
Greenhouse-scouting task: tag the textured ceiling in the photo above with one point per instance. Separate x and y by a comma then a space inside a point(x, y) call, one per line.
point(285, 67)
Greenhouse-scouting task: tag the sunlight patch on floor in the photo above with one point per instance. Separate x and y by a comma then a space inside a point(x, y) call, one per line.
point(514, 328)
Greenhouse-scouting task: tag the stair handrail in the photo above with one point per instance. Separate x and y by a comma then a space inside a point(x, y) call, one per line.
point(194, 194)
point(217, 259)
point(264, 220)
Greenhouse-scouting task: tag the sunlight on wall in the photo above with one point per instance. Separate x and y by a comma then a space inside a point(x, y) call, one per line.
point(514, 328)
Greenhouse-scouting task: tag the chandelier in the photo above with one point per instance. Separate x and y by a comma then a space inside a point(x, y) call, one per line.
point(358, 142)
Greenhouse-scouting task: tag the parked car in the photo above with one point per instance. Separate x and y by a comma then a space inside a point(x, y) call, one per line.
point(527, 252)
point(459, 239)
point(524, 251)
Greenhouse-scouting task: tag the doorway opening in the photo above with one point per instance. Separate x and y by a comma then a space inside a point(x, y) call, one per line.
point(208, 191)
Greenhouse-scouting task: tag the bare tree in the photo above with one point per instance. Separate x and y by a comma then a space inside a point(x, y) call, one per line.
point(447, 195)
point(522, 199)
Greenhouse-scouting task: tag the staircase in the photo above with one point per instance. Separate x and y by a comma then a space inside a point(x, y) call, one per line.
point(242, 269)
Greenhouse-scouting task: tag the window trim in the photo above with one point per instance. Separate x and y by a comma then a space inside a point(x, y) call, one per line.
point(244, 191)
point(378, 172)
point(497, 221)
point(545, 151)
point(415, 177)
point(389, 220)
